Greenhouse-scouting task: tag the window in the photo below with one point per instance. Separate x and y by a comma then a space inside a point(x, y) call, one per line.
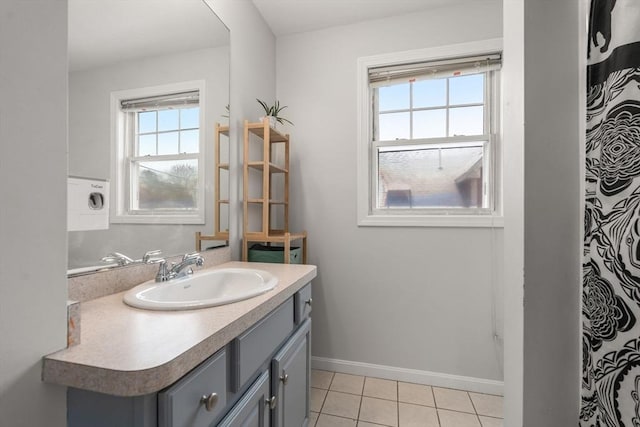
point(429, 147)
point(159, 162)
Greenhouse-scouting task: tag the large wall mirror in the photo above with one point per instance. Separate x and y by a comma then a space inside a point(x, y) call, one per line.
point(138, 46)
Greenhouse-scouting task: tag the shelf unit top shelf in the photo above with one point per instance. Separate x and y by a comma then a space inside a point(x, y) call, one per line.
point(257, 129)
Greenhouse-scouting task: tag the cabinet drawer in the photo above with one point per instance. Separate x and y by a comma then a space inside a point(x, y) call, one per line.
point(182, 404)
point(252, 349)
point(302, 301)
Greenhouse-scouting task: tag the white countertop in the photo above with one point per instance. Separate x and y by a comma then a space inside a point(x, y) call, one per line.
point(126, 351)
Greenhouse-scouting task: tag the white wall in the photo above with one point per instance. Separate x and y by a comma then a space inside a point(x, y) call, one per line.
point(513, 131)
point(417, 298)
point(90, 144)
point(33, 168)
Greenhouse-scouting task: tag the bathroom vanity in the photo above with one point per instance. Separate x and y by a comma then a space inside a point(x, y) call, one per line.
point(241, 364)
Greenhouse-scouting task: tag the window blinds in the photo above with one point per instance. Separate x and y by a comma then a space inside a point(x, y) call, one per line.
point(161, 101)
point(394, 74)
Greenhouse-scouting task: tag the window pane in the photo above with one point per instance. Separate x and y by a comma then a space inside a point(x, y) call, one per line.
point(394, 97)
point(466, 89)
point(167, 184)
point(168, 143)
point(430, 93)
point(168, 119)
point(147, 145)
point(189, 118)
point(466, 121)
point(430, 177)
point(189, 141)
point(393, 126)
point(146, 122)
point(430, 124)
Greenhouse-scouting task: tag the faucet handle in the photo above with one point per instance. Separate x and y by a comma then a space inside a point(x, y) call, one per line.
point(195, 256)
point(147, 258)
point(190, 255)
point(117, 257)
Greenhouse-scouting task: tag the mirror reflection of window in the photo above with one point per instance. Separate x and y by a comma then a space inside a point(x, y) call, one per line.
point(160, 156)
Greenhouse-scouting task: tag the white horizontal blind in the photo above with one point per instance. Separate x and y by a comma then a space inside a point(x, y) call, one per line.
point(383, 76)
point(173, 100)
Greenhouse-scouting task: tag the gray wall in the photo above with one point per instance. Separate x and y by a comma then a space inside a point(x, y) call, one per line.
point(33, 169)
point(253, 75)
point(418, 298)
point(554, 86)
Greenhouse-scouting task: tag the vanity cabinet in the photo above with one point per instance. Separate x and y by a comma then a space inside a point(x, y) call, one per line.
point(261, 378)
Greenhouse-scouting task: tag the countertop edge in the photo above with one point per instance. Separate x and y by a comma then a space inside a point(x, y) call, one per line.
point(152, 380)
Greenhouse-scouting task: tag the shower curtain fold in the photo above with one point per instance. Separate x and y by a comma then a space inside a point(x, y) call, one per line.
point(611, 268)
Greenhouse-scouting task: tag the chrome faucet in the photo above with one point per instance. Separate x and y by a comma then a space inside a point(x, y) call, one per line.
point(179, 269)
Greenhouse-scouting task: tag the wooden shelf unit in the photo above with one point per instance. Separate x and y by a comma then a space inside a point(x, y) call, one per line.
point(218, 234)
point(269, 138)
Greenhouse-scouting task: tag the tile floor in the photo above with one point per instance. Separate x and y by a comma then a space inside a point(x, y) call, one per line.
point(339, 400)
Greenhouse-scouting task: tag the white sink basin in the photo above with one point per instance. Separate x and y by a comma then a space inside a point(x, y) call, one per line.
point(206, 288)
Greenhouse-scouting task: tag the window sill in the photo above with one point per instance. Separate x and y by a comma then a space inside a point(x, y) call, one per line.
point(156, 219)
point(468, 221)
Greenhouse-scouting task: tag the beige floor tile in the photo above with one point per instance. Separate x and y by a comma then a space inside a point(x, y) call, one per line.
point(382, 389)
point(313, 418)
point(325, 420)
point(415, 393)
point(317, 399)
point(379, 411)
point(417, 416)
point(341, 404)
point(346, 383)
point(487, 404)
point(491, 422)
point(321, 379)
point(455, 400)
point(366, 424)
point(457, 419)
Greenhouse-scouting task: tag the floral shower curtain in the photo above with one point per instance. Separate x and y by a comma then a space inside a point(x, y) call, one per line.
point(611, 270)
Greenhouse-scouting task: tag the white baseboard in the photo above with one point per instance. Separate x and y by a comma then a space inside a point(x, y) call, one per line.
point(477, 385)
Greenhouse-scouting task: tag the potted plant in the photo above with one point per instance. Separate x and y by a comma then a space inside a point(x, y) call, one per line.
point(273, 112)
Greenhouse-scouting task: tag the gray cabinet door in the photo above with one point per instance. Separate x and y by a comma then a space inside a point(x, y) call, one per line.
point(253, 409)
point(290, 381)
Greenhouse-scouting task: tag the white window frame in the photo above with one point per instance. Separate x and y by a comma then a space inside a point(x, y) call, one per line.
point(366, 166)
point(120, 168)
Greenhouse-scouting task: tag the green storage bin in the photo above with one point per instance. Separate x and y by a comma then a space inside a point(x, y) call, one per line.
point(274, 254)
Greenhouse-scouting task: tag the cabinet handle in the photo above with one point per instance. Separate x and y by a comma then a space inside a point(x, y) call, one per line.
point(271, 402)
point(309, 302)
point(209, 401)
point(284, 378)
